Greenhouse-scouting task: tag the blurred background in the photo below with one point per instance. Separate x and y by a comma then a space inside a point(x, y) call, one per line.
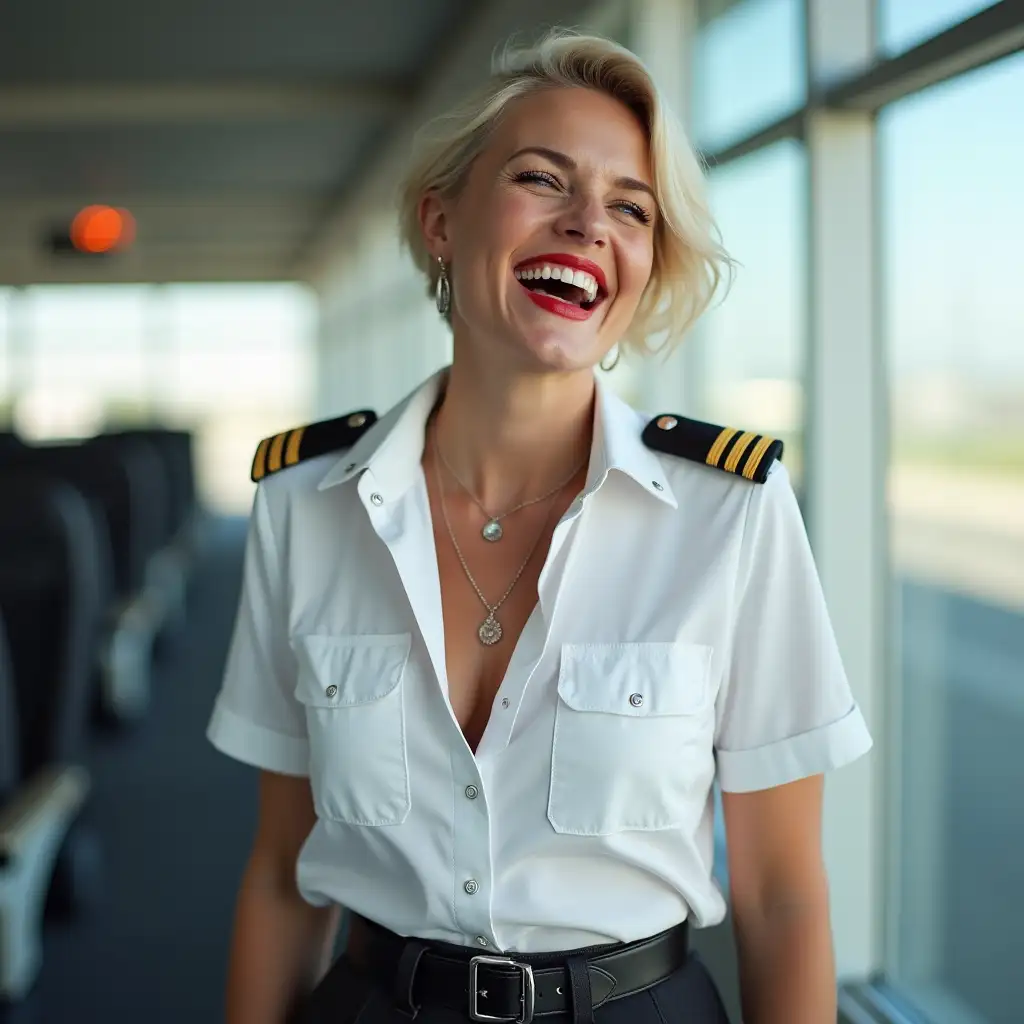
point(198, 249)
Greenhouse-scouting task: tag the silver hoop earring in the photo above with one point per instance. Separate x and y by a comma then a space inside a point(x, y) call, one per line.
point(443, 292)
point(614, 362)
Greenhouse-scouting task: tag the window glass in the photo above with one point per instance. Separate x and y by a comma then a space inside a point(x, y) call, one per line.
point(82, 359)
point(952, 219)
point(752, 344)
point(903, 24)
point(748, 67)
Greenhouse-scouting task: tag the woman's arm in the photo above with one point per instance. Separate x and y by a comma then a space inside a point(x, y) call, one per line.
point(779, 895)
point(281, 946)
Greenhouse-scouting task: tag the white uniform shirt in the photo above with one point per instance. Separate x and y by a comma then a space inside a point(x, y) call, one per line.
point(680, 634)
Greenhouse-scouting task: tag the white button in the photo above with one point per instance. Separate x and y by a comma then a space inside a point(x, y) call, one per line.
point(667, 422)
point(472, 792)
point(504, 702)
point(657, 486)
point(331, 691)
point(481, 941)
point(377, 499)
point(471, 886)
point(636, 699)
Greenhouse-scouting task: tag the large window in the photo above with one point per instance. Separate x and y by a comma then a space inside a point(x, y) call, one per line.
point(231, 363)
point(752, 345)
point(904, 23)
point(952, 160)
point(748, 67)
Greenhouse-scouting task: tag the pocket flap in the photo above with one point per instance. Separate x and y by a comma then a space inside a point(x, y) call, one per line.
point(342, 671)
point(639, 679)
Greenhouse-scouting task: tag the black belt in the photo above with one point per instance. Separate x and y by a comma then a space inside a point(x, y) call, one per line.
point(514, 990)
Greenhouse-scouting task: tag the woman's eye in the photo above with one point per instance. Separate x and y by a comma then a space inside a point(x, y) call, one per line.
point(538, 178)
point(635, 211)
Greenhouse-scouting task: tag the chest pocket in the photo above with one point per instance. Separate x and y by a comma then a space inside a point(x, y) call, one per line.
point(629, 721)
point(355, 717)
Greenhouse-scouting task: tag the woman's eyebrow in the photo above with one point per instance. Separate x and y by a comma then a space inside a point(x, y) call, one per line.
point(567, 163)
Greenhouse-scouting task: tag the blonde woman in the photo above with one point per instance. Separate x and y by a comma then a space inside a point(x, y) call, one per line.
point(494, 648)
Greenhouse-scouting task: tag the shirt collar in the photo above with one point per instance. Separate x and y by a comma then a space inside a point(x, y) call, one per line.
point(393, 447)
point(618, 446)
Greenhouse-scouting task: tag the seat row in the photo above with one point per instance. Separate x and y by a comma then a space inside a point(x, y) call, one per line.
point(97, 540)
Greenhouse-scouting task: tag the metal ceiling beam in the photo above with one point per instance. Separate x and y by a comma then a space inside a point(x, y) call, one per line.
point(993, 33)
point(69, 105)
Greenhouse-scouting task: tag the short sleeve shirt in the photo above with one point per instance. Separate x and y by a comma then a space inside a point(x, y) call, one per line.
point(680, 636)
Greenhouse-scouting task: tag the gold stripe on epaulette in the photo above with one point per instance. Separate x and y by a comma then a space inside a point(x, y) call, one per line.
point(750, 469)
point(291, 454)
point(727, 434)
point(274, 458)
point(259, 465)
point(741, 445)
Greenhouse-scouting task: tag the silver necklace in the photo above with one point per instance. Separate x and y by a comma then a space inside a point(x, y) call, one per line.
point(492, 530)
point(489, 631)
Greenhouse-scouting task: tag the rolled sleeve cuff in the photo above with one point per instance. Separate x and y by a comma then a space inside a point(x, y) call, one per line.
point(256, 745)
point(810, 753)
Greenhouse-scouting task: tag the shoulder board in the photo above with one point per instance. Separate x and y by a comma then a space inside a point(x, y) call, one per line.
point(747, 454)
point(295, 446)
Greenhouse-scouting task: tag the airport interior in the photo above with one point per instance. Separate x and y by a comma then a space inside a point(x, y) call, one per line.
point(199, 250)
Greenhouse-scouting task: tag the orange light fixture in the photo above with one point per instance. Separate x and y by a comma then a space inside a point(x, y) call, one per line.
point(100, 229)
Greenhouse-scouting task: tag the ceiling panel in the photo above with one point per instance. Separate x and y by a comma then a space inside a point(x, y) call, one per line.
point(302, 153)
point(127, 40)
point(228, 127)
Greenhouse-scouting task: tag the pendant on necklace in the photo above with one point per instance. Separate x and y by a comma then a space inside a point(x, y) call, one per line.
point(492, 530)
point(489, 631)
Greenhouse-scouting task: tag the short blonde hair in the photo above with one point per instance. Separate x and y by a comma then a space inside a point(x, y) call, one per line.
point(689, 260)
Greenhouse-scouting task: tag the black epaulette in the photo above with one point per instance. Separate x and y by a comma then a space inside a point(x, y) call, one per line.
point(295, 446)
point(742, 452)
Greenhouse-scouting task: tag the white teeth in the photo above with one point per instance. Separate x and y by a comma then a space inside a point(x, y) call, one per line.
point(580, 278)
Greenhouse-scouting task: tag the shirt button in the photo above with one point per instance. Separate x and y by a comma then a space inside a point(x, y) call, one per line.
point(331, 691)
point(636, 699)
point(471, 886)
point(657, 486)
point(481, 941)
point(472, 792)
point(504, 702)
point(377, 499)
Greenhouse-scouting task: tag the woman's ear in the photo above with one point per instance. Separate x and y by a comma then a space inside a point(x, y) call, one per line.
point(434, 223)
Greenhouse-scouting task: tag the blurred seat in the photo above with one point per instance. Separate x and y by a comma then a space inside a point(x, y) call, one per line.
point(125, 485)
point(170, 565)
point(50, 590)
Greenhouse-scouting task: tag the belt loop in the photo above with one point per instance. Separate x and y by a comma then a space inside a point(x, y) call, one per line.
point(405, 978)
point(579, 987)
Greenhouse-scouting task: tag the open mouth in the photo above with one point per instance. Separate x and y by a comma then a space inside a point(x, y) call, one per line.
point(567, 285)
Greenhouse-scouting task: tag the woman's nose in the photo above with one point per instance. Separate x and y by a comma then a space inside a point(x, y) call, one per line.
point(585, 222)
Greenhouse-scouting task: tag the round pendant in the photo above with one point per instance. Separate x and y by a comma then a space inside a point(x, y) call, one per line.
point(492, 531)
point(489, 631)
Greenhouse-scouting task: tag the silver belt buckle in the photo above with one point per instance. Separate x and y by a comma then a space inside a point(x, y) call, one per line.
point(529, 990)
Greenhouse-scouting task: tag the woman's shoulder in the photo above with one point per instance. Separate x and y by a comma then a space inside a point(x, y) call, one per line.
point(299, 445)
point(743, 455)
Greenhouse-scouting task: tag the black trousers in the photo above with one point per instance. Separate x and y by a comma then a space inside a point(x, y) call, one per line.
point(349, 996)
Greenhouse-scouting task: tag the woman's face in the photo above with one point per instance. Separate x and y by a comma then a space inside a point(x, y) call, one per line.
point(551, 240)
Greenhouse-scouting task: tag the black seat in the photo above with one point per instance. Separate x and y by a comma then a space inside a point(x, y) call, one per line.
point(50, 604)
point(118, 482)
point(167, 506)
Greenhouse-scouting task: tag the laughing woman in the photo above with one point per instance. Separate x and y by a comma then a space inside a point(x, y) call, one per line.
point(494, 648)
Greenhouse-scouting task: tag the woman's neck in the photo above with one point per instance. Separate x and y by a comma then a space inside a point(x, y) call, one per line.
point(512, 438)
